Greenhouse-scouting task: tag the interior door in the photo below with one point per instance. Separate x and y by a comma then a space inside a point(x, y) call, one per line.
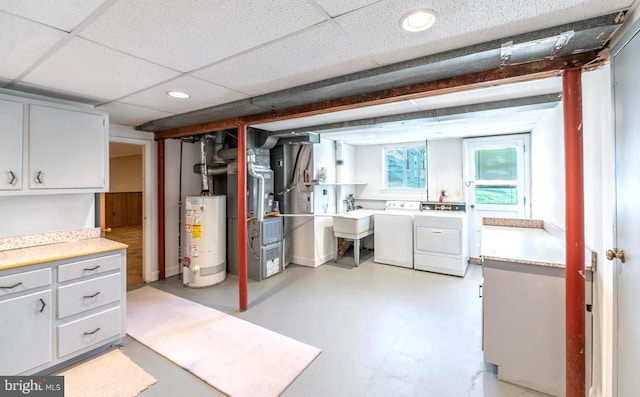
point(496, 177)
point(627, 122)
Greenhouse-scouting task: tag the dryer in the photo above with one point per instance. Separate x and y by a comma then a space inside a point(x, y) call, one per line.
point(393, 233)
point(441, 239)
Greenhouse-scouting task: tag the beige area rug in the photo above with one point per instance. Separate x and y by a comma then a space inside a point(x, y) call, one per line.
point(235, 356)
point(111, 374)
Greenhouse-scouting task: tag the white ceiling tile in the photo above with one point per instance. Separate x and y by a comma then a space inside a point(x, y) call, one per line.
point(315, 54)
point(189, 35)
point(87, 68)
point(377, 27)
point(60, 14)
point(125, 114)
point(203, 94)
point(492, 94)
point(344, 115)
point(339, 7)
point(24, 42)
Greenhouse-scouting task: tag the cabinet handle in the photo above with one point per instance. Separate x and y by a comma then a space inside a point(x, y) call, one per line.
point(38, 178)
point(92, 332)
point(480, 291)
point(14, 179)
point(91, 296)
point(90, 269)
point(43, 305)
point(12, 286)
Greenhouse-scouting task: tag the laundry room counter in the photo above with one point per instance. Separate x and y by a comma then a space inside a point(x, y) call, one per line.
point(526, 241)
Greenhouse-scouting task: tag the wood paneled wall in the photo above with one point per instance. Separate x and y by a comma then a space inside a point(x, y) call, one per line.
point(123, 209)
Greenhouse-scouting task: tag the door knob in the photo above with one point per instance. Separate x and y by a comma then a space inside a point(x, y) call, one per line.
point(613, 254)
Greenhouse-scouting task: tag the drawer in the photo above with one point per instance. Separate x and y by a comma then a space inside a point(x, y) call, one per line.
point(89, 294)
point(438, 240)
point(88, 331)
point(24, 281)
point(88, 267)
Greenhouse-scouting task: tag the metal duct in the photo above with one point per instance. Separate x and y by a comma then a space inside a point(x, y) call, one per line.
point(290, 137)
point(251, 170)
point(204, 180)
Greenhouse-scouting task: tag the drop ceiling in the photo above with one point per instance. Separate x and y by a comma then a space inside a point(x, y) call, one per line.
point(124, 55)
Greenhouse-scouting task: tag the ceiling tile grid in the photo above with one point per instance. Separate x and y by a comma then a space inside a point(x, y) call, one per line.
point(122, 113)
point(202, 94)
point(27, 41)
point(459, 24)
point(319, 53)
point(338, 7)
point(87, 68)
point(186, 35)
point(60, 14)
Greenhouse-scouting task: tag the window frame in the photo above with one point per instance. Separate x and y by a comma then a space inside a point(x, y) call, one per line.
point(404, 188)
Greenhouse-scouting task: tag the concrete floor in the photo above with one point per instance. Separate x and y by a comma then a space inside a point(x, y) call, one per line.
point(383, 331)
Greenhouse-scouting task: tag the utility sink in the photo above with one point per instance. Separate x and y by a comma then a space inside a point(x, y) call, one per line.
point(353, 223)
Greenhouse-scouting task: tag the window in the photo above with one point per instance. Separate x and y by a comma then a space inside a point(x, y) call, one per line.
point(496, 175)
point(405, 167)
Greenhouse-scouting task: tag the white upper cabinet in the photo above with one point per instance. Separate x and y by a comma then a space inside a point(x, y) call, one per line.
point(11, 116)
point(50, 148)
point(66, 149)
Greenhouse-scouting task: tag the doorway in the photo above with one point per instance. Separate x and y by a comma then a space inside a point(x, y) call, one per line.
point(496, 174)
point(124, 205)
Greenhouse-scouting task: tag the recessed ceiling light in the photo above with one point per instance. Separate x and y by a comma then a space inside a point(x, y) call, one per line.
point(418, 20)
point(178, 94)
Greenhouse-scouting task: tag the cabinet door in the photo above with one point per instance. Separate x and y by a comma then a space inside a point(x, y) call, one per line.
point(11, 145)
point(25, 333)
point(67, 149)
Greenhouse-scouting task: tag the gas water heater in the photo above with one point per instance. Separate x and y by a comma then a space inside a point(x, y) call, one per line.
point(204, 262)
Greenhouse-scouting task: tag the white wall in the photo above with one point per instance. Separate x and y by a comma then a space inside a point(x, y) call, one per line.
point(37, 214)
point(190, 186)
point(312, 241)
point(547, 169)
point(444, 171)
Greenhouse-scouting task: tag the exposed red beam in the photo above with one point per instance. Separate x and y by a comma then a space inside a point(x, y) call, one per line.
point(507, 74)
point(161, 231)
point(574, 218)
point(242, 216)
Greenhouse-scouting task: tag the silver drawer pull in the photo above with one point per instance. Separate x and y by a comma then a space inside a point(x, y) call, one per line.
point(43, 305)
point(92, 332)
point(14, 179)
point(90, 269)
point(91, 296)
point(436, 231)
point(38, 178)
point(13, 286)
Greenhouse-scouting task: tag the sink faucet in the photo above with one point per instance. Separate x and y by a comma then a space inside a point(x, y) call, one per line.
point(349, 202)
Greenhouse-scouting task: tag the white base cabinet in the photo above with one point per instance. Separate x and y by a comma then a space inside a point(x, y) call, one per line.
point(56, 311)
point(524, 324)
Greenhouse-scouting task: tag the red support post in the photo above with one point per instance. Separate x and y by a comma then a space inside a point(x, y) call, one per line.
point(242, 216)
point(574, 219)
point(161, 231)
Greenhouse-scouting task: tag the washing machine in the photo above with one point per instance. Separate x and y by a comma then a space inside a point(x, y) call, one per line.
point(393, 233)
point(440, 236)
